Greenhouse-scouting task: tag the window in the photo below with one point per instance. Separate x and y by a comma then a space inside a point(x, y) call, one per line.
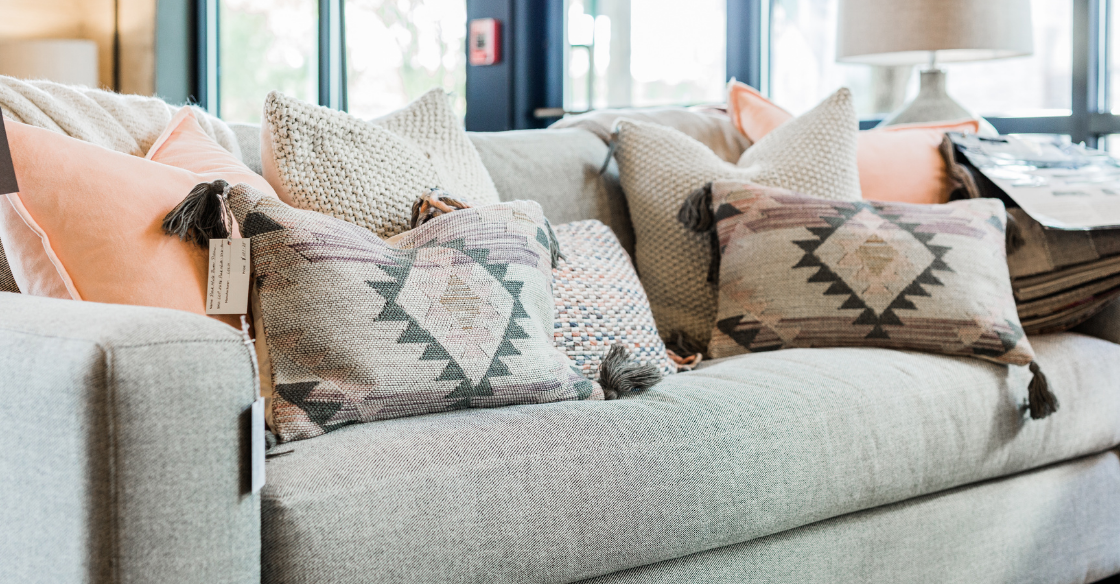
point(637, 53)
point(396, 50)
point(804, 69)
point(265, 45)
point(588, 54)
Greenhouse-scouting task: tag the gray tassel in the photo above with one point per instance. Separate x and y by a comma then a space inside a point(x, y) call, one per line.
point(202, 216)
point(610, 154)
point(1042, 401)
point(1015, 240)
point(618, 375)
point(554, 246)
point(696, 212)
point(696, 216)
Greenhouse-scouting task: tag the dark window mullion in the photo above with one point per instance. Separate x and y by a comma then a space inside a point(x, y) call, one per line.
point(206, 56)
point(1083, 98)
point(331, 59)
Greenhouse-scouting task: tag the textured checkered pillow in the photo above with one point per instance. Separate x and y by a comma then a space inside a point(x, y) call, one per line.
point(660, 167)
point(600, 302)
point(803, 271)
point(456, 313)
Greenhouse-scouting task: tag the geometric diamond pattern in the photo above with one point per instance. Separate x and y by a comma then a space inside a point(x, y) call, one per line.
point(802, 271)
point(456, 313)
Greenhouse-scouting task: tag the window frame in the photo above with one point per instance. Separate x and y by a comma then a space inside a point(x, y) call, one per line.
point(533, 63)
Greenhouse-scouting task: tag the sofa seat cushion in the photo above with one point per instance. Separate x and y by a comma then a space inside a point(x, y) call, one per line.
point(752, 446)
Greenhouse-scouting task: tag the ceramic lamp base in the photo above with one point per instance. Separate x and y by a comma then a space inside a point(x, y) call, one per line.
point(933, 104)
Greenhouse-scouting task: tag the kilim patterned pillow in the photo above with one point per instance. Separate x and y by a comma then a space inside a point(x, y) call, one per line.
point(600, 302)
point(7, 281)
point(456, 313)
point(803, 271)
point(369, 172)
point(660, 167)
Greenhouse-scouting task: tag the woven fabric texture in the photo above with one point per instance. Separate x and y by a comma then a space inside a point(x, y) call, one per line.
point(7, 281)
point(803, 271)
point(369, 173)
point(122, 123)
point(659, 167)
point(600, 301)
point(457, 313)
point(753, 445)
point(1040, 527)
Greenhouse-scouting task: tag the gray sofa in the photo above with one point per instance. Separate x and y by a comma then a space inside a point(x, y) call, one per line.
point(125, 457)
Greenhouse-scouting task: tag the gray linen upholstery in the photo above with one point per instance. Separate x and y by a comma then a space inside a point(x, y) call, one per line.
point(560, 170)
point(249, 139)
point(1057, 525)
point(122, 455)
point(1104, 324)
point(753, 446)
point(710, 126)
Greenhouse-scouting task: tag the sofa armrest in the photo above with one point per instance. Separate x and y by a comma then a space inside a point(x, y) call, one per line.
point(124, 445)
point(1104, 324)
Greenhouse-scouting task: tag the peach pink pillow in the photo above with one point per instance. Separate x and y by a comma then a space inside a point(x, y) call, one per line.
point(899, 163)
point(86, 224)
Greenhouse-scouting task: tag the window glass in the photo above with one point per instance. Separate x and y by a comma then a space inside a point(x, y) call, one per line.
point(804, 69)
point(1113, 61)
point(396, 50)
point(266, 45)
point(637, 53)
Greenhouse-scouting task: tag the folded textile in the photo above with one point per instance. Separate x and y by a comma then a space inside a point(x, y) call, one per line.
point(1061, 278)
point(123, 123)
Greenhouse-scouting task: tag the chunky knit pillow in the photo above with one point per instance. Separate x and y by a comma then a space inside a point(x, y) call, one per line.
point(369, 173)
point(600, 302)
point(660, 167)
point(804, 271)
point(456, 313)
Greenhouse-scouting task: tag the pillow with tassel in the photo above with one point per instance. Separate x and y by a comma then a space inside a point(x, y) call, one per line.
point(804, 271)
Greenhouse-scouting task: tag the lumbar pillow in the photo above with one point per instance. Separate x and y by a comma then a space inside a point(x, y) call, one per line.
point(804, 271)
point(897, 163)
point(456, 313)
point(660, 167)
point(78, 231)
point(600, 302)
point(369, 173)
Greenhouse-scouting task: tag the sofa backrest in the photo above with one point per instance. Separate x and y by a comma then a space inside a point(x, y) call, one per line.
point(560, 170)
point(557, 168)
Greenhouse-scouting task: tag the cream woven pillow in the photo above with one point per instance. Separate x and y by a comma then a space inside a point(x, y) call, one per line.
point(369, 173)
point(660, 167)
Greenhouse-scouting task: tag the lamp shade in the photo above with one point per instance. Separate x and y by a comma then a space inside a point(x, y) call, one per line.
point(905, 32)
point(70, 61)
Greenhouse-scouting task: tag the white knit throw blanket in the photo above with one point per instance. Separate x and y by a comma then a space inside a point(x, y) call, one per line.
point(124, 123)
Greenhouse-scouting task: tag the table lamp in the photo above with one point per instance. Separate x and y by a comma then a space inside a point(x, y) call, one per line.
point(912, 32)
point(70, 61)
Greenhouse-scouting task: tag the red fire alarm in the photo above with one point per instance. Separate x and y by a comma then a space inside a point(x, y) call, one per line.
point(485, 41)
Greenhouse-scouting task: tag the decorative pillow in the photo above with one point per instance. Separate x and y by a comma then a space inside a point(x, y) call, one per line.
point(897, 163)
point(711, 128)
point(803, 271)
point(369, 173)
point(660, 167)
point(91, 229)
point(600, 302)
point(456, 313)
point(7, 280)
